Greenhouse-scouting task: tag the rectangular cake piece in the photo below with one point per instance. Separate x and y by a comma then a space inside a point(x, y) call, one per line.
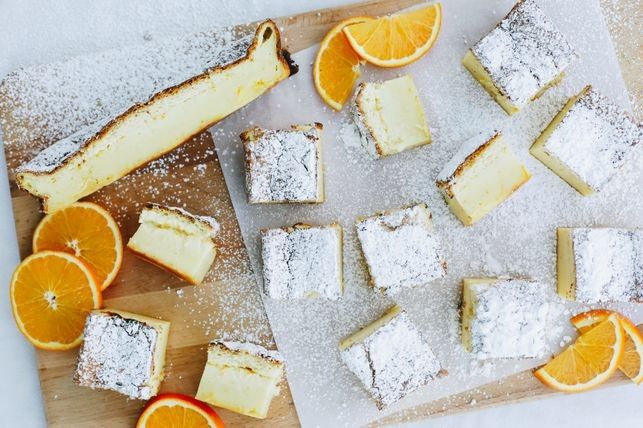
point(482, 174)
point(242, 377)
point(390, 116)
point(390, 358)
point(504, 318)
point(303, 261)
point(597, 265)
point(401, 248)
point(176, 240)
point(79, 165)
point(520, 58)
point(122, 352)
point(284, 165)
point(588, 141)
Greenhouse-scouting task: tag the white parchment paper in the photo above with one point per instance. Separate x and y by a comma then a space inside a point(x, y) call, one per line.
point(518, 238)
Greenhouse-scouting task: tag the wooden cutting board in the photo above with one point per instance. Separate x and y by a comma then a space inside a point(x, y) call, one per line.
point(228, 302)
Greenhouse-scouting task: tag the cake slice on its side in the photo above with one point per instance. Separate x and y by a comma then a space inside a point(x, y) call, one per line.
point(588, 141)
point(481, 175)
point(242, 377)
point(122, 352)
point(389, 116)
point(284, 166)
point(598, 265)
point(176, 240)
point(104, 152)
point(520, 58)
point(401, 248)
point(303, 261)
point(390, 358)
point(504, 318)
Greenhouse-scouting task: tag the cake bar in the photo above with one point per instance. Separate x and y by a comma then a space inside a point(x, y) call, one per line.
point(401, 248)
point(481, 175)
point(597, 265)
point(389, 116)
point(588, 141)
point(303, 261)
point(242, 377)
point(284, 165)
point(504, 318)
point(176, 240)
point(520, 58)
point(109, 149)
point(390, 358)
point(122, 352)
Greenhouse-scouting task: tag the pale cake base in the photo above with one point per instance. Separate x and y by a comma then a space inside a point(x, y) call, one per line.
point(565, 264)
point(239, 381)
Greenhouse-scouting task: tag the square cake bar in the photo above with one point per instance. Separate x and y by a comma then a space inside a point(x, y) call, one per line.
point(389, 116)
point(242, 377)
point(284, 166)
point(481, 175)
point(588, 141)
point(600, 264)
point(401, 248)
point(176, 240)
point(390, 358)
point(504, 318)
point(520, 58)
point(303, 261)
point(122, 352)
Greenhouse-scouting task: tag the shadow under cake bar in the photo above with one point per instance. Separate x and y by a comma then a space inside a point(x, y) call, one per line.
point(284, 165)
point(177, 241)
point(588, 141)
point(480, 176)
point(389, 116)
point(242, 377)
point(504, 318)
point(520, 58)
point(303, 261)
point(390, 358)
point(401, 248)
point(122, 352)
point(600, 264)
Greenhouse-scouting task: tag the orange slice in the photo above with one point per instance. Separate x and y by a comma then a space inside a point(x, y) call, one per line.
point(51, 294)
point(88, 232)
point(589, 361)
point(397, 40)
point(336, 67)
point(178, 411)
point(632, 362)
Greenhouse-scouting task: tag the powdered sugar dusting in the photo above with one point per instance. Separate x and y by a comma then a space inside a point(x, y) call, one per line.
point(283, 165)
point(401, 248)
point(392, 361)
point(509, 319)
point(609, 264)
point(73, 94)
point(302, 262)
point(524, 53)
point(118, 354)
point(594, 139)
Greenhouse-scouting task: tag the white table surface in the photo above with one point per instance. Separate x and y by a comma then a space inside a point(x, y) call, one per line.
point(32, 32)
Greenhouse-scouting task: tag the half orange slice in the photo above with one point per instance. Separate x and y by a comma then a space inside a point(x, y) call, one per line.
point(336, 67)
point(632, 362)
point(589, 361)
point(397, 40)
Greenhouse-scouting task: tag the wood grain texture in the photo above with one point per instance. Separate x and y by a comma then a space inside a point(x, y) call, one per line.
point(228, 303)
